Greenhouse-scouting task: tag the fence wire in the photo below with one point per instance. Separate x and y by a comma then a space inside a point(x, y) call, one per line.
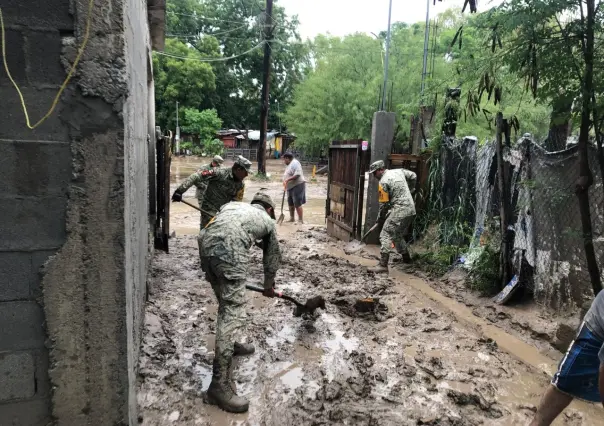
point(548, 253)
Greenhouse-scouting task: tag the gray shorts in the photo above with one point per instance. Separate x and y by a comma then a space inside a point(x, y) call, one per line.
point(296, 197)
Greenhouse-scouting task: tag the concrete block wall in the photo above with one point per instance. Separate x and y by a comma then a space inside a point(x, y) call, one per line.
point(74, 242)
point(35, 170)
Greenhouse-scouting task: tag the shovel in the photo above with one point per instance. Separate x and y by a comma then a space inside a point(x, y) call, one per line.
point(309, 307)
point(282, 217)
point(196, 208)
point(356, 246)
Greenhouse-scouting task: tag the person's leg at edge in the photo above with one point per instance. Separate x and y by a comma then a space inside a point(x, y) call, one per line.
point(229, 323)
point(300, 200)
point(292, 208)
point(550, 407)
point(385, 247)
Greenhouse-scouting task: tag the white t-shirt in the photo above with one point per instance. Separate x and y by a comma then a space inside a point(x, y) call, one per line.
point(294, 169)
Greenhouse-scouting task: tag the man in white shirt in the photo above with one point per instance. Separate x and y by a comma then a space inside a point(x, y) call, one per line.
point(295, 184)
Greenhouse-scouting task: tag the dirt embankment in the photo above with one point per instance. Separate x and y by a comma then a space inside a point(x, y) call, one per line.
point(400, 359)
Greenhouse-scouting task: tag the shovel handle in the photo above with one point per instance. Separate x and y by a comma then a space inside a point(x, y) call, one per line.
point(196, 208)
point(277, 294)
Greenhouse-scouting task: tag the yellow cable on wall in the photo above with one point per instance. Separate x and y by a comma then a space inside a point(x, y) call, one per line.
point(67, 79)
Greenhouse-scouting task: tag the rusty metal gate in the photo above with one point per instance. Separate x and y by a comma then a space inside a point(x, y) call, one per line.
point(162, 218)
point(348, 164)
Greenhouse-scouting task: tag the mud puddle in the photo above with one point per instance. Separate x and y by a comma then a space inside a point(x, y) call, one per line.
point(401, 358)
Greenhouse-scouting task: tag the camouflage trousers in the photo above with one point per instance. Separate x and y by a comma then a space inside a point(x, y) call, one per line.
point(392, 237)
point(231, 307)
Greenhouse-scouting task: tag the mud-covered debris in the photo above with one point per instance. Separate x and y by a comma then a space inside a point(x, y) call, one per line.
point(368, 309)
point(367, 304)
point(331, 391)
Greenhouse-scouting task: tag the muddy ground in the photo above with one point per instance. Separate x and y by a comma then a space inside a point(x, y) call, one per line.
point(415, 356)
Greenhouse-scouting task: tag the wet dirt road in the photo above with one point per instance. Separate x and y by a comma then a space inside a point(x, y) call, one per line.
point(414, 357)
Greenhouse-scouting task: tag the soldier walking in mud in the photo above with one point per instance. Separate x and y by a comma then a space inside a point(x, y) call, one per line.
point(224, 251)
point(216, 187)
point(397, 211)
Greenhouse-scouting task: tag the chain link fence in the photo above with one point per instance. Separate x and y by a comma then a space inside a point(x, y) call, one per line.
point(547, 254)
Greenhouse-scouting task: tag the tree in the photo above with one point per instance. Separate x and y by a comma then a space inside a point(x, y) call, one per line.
point(186, 81)
point(236, 26)
point(338, 98)
point(340, 94)
point(205, 124)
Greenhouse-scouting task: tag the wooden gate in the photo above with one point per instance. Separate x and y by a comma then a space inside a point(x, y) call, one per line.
point(348, 164)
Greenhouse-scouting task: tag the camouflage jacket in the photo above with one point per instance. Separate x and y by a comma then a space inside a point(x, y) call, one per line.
point(201, 188)
point(232, 232)
point(394, 193)
point(215, 188)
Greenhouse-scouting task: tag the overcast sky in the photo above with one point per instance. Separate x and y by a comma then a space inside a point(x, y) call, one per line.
point(341, 17)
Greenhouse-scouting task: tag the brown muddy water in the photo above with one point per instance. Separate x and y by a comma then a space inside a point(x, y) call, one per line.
point(185, 220)
point(412, 357)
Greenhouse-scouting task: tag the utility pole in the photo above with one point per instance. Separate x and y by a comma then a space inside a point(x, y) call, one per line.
point(268, 31)
point(426, 40)
point(177, 136)
point(386, 59)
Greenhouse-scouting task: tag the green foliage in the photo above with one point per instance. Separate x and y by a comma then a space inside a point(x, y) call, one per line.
point(439, 261)
point(341, 92)
point(227, 29)
point(212, 147)
point(337, 100)
point(178, 80)
point(204, 123)
point(484, 276)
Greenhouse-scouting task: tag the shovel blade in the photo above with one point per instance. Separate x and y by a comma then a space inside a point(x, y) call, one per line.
point(281, 218)
point(353, 247)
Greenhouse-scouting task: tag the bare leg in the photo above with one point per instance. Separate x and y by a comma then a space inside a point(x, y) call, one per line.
point(550, 407)
point(300, 212)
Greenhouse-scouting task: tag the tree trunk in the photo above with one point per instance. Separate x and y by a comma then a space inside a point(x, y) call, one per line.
point(559, 127)
point(585, 179)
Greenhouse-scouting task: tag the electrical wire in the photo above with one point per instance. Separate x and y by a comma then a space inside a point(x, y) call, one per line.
point(198, 17)
point(67, 79)
point(209, 59)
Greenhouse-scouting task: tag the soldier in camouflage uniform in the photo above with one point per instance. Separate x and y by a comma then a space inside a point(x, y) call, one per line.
point(224, 250)
point(397, 211)
point(216, 187)
point(200, 189)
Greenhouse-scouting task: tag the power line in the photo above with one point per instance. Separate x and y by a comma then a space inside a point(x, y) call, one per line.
point(198, 17)
point(210, 59)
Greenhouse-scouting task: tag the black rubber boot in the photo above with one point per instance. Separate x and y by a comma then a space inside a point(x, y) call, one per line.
point(221, 393)
point(241, 349)
point(382, 266)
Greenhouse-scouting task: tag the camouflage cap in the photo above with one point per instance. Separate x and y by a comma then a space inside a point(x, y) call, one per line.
point(243, 162)
point(218, 159)
point(376, 166)
point(265, 198)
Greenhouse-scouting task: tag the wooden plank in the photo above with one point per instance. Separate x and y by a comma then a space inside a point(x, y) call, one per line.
point(337, 193)
point(340, 224)
point(338, 208)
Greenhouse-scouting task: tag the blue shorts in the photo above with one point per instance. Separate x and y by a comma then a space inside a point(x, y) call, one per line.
point(577, 373)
